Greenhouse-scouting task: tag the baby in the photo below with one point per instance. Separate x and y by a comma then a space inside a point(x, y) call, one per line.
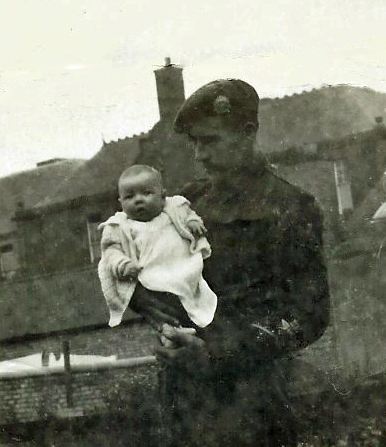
point(158, 241)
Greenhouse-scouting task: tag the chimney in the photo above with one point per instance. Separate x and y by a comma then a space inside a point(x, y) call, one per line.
point(170, 89)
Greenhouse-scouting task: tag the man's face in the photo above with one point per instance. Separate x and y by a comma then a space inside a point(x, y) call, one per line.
point(219, 149)
point(141, 196)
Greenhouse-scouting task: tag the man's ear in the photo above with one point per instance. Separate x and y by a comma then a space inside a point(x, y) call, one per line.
point(119, 200)
point(164, 193)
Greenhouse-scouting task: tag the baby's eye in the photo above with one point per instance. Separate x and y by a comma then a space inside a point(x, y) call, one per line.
point(148, 192)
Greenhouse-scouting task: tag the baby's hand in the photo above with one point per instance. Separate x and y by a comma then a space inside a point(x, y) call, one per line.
point(128, 270)
point(197, 228)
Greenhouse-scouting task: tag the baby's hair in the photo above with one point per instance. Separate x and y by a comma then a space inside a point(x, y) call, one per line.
point(139, 169)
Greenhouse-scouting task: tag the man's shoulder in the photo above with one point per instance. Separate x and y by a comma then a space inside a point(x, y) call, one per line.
point(287, 193)
point(195, 189)
point(267, 197)
point(294, 204)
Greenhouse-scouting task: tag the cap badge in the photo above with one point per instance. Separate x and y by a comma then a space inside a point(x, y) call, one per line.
point(222, 105)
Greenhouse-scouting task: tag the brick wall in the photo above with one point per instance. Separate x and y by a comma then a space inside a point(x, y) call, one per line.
point(34, 398)
point(33, 409)
point(40, 398)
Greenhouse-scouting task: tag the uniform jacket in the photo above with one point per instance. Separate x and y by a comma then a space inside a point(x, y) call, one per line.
point(268, 271)
point(267, 265)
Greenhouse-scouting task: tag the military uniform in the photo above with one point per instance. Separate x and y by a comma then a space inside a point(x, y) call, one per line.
point(268, 271)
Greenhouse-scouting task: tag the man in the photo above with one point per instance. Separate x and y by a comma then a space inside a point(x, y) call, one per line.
point(225, 384)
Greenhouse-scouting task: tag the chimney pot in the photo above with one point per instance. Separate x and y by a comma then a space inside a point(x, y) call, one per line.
point(168, 61)
point(379, 119)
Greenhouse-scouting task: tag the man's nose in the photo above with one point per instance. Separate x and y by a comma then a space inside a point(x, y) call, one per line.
point(201, 152)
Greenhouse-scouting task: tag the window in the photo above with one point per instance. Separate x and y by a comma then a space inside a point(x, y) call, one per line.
point(94, 237)
point(8, 261)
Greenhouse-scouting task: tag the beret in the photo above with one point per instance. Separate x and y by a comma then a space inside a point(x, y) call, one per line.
point(218, 98)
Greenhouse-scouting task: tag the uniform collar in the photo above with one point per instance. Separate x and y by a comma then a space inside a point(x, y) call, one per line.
point(253, 199)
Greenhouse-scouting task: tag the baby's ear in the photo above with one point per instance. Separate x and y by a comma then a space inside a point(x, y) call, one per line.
point(164, 193)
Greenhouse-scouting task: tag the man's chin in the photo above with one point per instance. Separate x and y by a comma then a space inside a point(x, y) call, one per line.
point(213, 171)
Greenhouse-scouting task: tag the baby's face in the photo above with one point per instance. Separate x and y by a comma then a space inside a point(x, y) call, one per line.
point(141, 196)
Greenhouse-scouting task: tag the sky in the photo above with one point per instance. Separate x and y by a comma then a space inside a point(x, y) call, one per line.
point(76, 72)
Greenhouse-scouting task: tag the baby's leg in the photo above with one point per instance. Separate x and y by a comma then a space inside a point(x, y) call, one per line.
point(158, 308)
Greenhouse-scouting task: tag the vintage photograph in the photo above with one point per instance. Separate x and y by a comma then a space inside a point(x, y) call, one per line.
point(193, 223)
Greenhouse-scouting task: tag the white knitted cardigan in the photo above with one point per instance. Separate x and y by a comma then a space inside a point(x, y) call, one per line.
point(118, 293)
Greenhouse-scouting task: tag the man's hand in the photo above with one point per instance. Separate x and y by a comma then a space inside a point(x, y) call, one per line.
point(197, 228)
point(183, 350)
point(170, 330)
point(128, 270)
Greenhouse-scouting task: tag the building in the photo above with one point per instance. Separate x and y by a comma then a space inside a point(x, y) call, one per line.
point(20, 191)
point(53, 298)
point(346, 175)
point(50, 295)
point(63, 240)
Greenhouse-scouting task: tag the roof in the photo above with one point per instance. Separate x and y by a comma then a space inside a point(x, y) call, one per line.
point(98, 175)
point(30, 187)
point(328, 112)
point(333, 148)
point(316, 178)
point(27, 306)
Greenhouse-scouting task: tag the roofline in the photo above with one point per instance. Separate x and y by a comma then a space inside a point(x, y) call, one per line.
point(81, 162)
point(59, 206)
point(341, 141)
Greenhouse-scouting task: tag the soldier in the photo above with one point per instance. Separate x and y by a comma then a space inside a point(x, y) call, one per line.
point(225, 384)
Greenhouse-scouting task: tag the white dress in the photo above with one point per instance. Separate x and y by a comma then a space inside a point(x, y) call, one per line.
point(170, 257)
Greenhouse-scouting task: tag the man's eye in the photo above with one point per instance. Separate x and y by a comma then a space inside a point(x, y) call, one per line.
point(148, 192)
